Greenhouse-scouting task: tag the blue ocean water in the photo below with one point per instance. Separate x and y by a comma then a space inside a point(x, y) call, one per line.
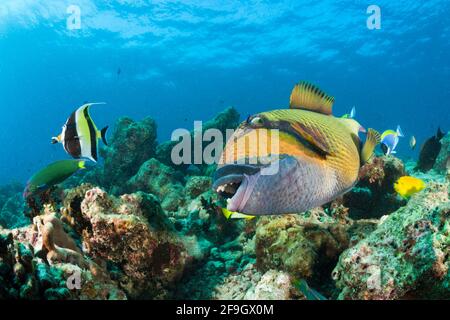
point(180, 61)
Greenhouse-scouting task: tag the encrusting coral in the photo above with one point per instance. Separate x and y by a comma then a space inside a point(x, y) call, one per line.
point(406, 256)
point(306, 246)
point(374, 195)
point(443, 160)
point(118, 230)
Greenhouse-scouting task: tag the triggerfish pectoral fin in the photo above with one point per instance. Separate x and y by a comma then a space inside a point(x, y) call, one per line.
point(372, 140)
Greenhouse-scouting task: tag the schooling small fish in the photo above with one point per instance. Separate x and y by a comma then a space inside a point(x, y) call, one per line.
point(429, 152)
point(406, 186)
point(318, 158)
point(350, 115)
point(389, 140)
point(80, 135)
point(412, 142)
point(51, 175)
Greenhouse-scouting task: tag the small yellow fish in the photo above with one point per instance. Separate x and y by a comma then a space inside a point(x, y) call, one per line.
point(235, 215)
point(406, 186)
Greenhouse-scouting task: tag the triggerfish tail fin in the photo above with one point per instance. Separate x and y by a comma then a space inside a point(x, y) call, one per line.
point(103, 135)
point(235, 215)
point(399, 131)
point(309, 97)
point(309, 293)
point(372, 140)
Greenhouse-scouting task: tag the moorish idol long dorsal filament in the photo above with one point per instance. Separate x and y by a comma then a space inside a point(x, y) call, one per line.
point(80, 135)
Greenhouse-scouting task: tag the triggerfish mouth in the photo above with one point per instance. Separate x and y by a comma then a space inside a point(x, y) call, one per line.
point(80, 135)
point(292, 160)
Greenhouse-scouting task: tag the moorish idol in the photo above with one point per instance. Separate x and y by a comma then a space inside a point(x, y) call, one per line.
point(80, 135)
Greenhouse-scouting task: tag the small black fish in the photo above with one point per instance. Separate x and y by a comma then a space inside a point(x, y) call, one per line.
point(429, 152)
point(119, 71)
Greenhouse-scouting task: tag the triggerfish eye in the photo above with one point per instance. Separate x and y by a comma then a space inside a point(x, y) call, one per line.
point(256, 121)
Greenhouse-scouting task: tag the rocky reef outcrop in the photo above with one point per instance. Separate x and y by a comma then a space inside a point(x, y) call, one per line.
point(227, 119)
point(374, 195)
point(42, 261)
point(407, 256)
point(131, 144)
point(132, 234)
point(12, 206)
point(307, 246)
point(442, 164)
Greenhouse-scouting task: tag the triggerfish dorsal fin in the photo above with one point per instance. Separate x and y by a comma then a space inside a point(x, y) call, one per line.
point(309, 97)
point(372, 140)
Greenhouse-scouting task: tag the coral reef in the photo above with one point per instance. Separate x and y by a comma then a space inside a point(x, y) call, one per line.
point(405, 257)
point(41, 261)
point(442, 164)
point(251, 285)
point(131, 144)
point(159, 179)
point(140, 227)
point(227, 119)
point(12, 212)
point(119, 231)
point(374, 195)
point(306, 246)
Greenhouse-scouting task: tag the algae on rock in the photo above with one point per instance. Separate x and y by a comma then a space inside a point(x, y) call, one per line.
point(407, 256)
